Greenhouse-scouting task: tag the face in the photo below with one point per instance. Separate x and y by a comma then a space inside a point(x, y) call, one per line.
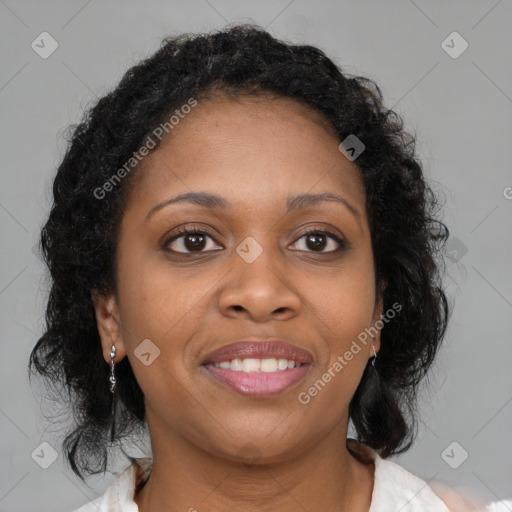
point(261, 265)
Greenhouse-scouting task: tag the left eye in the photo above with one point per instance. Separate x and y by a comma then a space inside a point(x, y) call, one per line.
point(318, 241)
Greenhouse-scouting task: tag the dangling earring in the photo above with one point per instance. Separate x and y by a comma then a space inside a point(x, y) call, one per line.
point(112, 379)
point(374, 357)
point(112, 365)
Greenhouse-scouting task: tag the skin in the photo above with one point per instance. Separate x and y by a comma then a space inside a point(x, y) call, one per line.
point(254, 152)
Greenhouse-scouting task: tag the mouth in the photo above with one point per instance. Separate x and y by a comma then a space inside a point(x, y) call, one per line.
point(258, 368)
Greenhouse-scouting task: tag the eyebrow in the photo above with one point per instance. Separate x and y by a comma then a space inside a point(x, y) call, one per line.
point(213, 201)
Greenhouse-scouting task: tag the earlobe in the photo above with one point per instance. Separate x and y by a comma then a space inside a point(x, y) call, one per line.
point(108, 324)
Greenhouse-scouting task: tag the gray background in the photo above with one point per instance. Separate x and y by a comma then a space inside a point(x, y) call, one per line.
point(460, 109)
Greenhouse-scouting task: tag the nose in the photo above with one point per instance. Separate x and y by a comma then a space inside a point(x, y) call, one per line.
point(260, 291)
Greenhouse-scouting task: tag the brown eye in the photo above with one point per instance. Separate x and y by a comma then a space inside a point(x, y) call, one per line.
point(319, 240)
point(187, 241)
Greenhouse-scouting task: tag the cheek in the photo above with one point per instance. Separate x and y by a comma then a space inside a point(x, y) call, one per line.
point(155, 300)
point(166, 306)
point(346, 302)
point(352, 313)
point(345, 316)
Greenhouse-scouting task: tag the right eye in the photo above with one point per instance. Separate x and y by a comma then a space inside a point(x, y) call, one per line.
point(189, 240)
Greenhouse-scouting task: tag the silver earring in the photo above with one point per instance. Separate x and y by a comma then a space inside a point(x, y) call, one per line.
point(112, 420)
point(112, 365)
point(374, 356)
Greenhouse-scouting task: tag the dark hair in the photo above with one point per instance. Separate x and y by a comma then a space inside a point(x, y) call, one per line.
point(78, 241)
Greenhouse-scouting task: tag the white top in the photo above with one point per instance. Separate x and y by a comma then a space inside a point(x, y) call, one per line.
point(394, 489)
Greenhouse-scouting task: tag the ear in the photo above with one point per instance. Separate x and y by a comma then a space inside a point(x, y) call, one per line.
point(109, 325)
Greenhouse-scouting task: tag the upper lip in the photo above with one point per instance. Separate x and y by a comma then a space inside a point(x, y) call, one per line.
point(259, 349)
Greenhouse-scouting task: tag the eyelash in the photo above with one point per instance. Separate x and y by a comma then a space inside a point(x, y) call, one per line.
point(201, 231)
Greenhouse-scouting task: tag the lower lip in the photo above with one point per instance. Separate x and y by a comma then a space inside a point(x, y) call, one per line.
point(259, 384)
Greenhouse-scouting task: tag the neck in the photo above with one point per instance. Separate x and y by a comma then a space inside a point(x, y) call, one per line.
point(185, 477)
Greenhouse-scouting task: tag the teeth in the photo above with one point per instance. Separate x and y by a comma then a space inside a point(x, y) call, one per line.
point(282, 364)
point(257, 365)
point(236, 365)
point(250, 365)
point(268, 365)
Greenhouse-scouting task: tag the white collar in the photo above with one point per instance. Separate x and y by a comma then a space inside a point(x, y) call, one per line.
point(394, 487)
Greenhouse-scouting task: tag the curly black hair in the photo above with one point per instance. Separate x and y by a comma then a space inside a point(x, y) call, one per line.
point(78, 241)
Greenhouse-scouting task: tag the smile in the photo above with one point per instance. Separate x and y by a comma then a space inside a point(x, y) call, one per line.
point(257, 367)
point(258, 378)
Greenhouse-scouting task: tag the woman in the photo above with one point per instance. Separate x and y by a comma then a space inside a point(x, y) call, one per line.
point(243, 251)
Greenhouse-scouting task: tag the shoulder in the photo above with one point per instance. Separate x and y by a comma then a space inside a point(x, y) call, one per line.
point(499, 506)
point(466, 502)
point(395, 488)
point(118, 497)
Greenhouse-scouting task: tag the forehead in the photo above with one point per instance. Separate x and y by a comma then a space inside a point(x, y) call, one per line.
point(246, 147)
